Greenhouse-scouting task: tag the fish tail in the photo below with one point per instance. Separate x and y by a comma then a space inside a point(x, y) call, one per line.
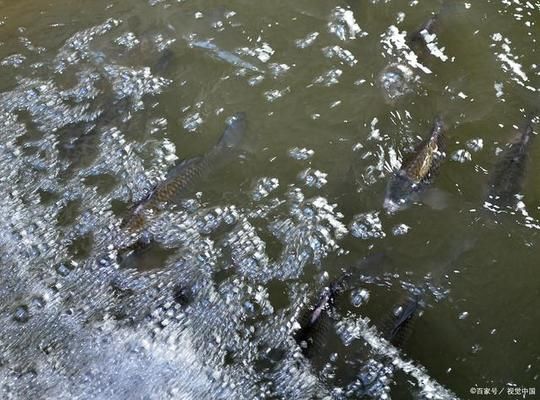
point(524, 133)
point(236, 126)
point(530, 121)
point(313, 332)
point(528, 130)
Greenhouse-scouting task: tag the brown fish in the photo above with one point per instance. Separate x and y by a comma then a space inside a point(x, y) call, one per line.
point(416, 171)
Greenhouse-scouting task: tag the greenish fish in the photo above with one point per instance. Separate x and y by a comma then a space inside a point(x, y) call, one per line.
point(182, 176)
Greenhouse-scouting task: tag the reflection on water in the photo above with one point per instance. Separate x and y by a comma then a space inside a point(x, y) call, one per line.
point(278, 273)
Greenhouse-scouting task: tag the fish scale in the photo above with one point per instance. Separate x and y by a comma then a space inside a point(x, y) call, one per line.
point(417, 170)
point(180, 183)
point(184, 175)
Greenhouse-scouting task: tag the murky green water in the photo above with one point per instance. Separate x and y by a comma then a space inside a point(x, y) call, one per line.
point(481, 321)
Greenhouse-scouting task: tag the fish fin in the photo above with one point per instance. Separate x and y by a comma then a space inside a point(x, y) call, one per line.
point(234, 131)
point(435, 198)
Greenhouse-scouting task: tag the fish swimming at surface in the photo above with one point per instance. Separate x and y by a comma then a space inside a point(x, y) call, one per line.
point(507, 178)
point(417, 170)
point(182, 176)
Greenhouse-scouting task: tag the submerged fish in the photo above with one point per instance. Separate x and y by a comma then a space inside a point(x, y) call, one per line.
point(376, 376)
point(416, 171)
point(507, 178)
point(315, 323)
point(224, 55)
point(79, 142)
point(187, 172)
point(397, 329)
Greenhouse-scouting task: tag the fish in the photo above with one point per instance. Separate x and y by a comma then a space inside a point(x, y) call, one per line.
point(397, 328)
point(164, 61)
point(79, 142)
point(508, 175)
point(316, 323)
point(376, 376)
point(224, 55)
point(183, 175)
point(417, 171)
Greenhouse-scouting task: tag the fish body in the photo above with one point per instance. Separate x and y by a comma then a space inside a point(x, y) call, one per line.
point(376, 375)
point(417, 171)
point(315, 325)
point(224, 55)
point(398, 327)
point(182, 176)
point(509, 173)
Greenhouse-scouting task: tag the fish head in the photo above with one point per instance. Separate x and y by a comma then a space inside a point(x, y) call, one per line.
point(234, 132)
point(399, 193)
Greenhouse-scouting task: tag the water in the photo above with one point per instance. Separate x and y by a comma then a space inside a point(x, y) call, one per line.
point(98, 103)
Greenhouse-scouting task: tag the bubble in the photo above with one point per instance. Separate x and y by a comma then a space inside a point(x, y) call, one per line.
point(307, 41)
point(264, 187)
point(400, 230)
point(127, 40)
point(475, 348)
point(395, 80)
point(461, 156)
point(313, 178)
point(192, 122)
point(475, 144)
point(301, 154)
point(38, 302)
point(62, 269)
point(21, 314)
point(359, 297)
point(329, 78)
point(367, 226)
point(343, 24)
point(273, 95)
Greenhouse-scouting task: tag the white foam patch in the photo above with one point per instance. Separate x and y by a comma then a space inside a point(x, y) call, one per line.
point(510, 62)
point(395, 45)
point(359, 328)
point(343, 24)
point(432, 45)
